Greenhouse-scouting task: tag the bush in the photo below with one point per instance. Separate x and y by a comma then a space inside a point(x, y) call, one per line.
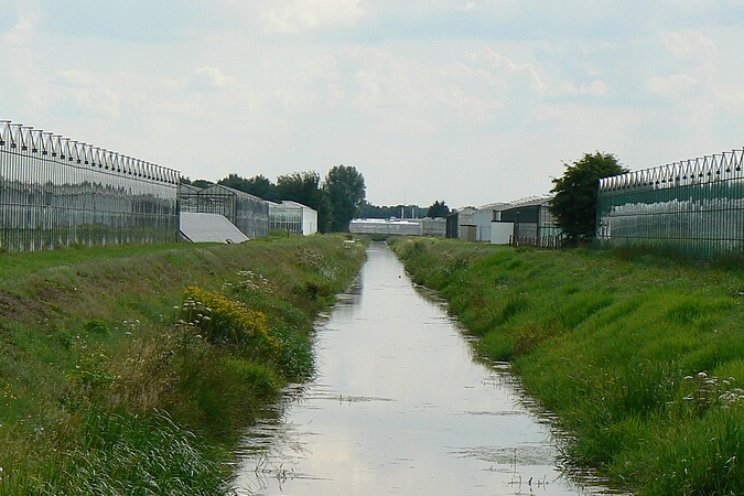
point(227, 322)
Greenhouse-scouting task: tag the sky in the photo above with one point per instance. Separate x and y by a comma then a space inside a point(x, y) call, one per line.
point(466, 101)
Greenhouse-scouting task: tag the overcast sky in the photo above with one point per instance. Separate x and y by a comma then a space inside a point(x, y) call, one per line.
point(467, 101)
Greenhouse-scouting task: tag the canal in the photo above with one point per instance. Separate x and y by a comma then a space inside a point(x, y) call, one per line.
point(400, 406)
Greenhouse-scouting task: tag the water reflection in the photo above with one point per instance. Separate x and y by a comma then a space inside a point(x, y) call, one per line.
point(399, 406)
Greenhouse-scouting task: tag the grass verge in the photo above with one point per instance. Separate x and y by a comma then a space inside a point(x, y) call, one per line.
point(133, 370)
point(640, 357)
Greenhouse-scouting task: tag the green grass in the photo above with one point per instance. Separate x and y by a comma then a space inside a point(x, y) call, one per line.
point(640, 356)
point(109, 385)
point(19, 264)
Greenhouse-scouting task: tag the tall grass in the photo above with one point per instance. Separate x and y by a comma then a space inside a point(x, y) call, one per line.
point(133, 370)
point(640, 357)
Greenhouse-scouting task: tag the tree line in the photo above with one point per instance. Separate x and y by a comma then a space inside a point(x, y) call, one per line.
point(338, 198)
point(341, 195)
point(410, 211)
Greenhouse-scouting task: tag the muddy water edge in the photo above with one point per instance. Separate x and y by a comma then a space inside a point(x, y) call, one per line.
point(400, 406)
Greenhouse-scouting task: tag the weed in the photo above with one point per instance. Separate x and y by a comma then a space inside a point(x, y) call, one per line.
point(104, 391)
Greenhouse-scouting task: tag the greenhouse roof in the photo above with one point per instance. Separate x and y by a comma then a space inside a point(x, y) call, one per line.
point(209, 228)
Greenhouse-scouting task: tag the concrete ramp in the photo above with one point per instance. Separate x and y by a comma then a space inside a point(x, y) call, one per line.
point(209, 228)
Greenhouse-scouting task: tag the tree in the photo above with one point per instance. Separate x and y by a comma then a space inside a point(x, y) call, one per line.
point(235, 181)
point(575, 203)
point(201, 183)
point(345, 188)
point(304, 187)
point(369, 211)
point(259, 186)
point(438, 209)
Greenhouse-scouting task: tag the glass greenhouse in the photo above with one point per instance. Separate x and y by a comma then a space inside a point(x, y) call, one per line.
point(293, 218)
point(695, 206)
point(386, 227)
point(55, 192)
point(249, 213)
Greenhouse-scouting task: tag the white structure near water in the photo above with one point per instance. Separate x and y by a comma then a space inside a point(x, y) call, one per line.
point(293, 218)
point(399, 227)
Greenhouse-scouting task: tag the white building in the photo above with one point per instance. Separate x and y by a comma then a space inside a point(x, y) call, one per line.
point(293, 218)
point(484, 216)
point(400, 227)
point(527, 221)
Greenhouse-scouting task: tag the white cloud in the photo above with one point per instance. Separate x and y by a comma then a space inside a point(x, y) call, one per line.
point(208, 78)
point(689, 44)
point(505, 72)
point(506, 66)
point(80, 90)
point(731, 99)
point(19, 34)
point(594, 88)
point(672, 86)
point(18, 59)
point(409, 87)
point(299, 15)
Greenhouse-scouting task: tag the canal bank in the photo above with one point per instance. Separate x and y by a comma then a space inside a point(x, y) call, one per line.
point(133, 369)
point(400, 406)
point(640, 357)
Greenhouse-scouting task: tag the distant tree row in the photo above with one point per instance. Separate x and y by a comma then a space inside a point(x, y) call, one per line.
point(437, 209)
point(341, 196)
point(336, 199)
point(370, 211)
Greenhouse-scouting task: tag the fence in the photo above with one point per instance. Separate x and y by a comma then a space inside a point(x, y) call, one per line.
point(552, 242)
point(55, 191)
point(694, 206)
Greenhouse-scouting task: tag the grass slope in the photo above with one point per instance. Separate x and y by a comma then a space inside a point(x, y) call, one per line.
point(132, 370)
point(640, 357)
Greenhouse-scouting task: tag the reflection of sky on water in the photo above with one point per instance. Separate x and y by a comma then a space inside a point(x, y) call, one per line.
point(399, 407)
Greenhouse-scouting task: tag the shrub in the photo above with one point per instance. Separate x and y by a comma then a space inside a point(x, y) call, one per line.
point(227, 322)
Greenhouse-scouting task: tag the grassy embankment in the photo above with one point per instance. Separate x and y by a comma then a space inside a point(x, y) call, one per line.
point(640, 357)
point(132, 370)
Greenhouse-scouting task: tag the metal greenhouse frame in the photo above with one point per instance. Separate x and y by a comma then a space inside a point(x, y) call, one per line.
point(248, 212)
point(56, 191)
point(694, 206)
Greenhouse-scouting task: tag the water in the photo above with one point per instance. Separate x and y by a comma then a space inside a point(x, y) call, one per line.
point(400, 407)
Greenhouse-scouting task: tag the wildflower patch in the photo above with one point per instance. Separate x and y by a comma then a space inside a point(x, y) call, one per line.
point(228, 322)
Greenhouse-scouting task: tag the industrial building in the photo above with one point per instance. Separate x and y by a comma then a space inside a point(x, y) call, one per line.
point(532, 221)
point(523, 221)
point(461, 225)
point(484, 216)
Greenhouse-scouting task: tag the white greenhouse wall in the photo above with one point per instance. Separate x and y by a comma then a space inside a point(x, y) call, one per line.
point(501, 232)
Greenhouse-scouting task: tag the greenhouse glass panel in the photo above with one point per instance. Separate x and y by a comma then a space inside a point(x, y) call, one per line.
point(58, 192)
point(694, 206)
